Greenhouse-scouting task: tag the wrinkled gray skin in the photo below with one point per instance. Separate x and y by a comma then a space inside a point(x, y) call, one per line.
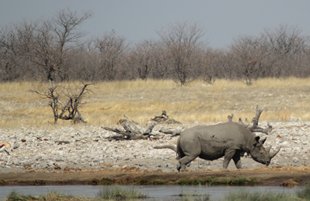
point(230, 140)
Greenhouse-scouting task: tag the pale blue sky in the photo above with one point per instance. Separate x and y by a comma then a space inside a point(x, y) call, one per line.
point(221, 20)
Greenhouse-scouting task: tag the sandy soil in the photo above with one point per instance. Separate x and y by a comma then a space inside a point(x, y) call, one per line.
point(87, 157)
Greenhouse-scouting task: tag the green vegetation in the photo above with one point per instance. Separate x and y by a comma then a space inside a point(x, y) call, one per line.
point(305, 193)
point(110, 193)
point(49, 197)
point(17, 197)
point(258, 196)
point(237, 181)
point(194, 197)
point(118, 194)
point(121, 194)
point(302, 195)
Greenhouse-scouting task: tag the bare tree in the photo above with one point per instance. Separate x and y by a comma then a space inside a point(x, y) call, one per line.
point(111, 48)
point(83, 63)
point(304, 70)
point(148, 59)
point(285, 47)
point(160, 61)
point(8, 56)
point(52, 50)
point(211, 61)
point(248, 54)
point(274, 53)
point(142, 57)
point(54, 39)
point(219, 64)
point(182, 43)
point(15, 51)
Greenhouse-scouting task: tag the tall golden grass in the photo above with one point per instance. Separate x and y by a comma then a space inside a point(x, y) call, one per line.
point(197, 102)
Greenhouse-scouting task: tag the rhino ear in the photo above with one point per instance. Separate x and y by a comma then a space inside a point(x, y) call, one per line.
point(257, 139)
point(256, 142)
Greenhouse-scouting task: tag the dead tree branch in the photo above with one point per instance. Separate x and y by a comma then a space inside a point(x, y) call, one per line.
point(254, 127)
point(131, 130)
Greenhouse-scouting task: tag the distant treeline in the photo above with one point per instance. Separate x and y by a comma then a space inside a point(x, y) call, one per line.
point(55, 50)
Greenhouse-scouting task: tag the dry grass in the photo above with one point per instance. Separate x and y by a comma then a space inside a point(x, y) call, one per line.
point(198, 102)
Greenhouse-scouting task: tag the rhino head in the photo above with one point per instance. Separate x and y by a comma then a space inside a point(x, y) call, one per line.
point(261, 154)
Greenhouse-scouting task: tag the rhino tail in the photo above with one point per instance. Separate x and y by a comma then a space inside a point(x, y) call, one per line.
point(172, 147)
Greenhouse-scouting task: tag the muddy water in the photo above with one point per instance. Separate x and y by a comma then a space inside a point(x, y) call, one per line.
point(164, 193)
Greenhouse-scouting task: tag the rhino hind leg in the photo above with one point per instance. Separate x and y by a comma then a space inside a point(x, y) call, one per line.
point(185, 161)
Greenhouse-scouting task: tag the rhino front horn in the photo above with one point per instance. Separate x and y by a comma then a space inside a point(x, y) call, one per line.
point(275, 153)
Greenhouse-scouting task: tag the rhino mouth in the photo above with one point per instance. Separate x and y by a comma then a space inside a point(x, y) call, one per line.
point(264, 162)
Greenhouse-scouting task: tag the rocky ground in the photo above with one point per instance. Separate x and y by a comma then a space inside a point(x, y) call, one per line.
point(87, 147)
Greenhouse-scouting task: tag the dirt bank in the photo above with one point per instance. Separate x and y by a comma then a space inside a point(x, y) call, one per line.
point(278, 176)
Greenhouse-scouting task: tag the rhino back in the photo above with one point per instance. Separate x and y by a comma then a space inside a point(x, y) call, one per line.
point(215, 139)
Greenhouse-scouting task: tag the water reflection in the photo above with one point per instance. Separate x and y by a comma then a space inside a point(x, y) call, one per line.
point(164, 192)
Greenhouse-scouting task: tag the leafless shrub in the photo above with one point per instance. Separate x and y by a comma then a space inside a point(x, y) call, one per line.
point(68, 110)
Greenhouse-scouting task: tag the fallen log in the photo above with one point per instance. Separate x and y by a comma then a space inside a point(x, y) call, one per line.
point(131, 130)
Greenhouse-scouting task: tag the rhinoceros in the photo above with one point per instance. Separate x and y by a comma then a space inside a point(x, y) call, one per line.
point(211, 142)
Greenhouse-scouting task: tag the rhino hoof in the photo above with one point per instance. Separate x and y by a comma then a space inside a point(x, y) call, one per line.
point(178, 167)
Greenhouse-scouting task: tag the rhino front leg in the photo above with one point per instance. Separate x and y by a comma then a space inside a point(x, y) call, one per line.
point(237, 160)
point(229, 154)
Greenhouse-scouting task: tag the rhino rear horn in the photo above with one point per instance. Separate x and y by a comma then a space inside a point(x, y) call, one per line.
point(274, 153)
